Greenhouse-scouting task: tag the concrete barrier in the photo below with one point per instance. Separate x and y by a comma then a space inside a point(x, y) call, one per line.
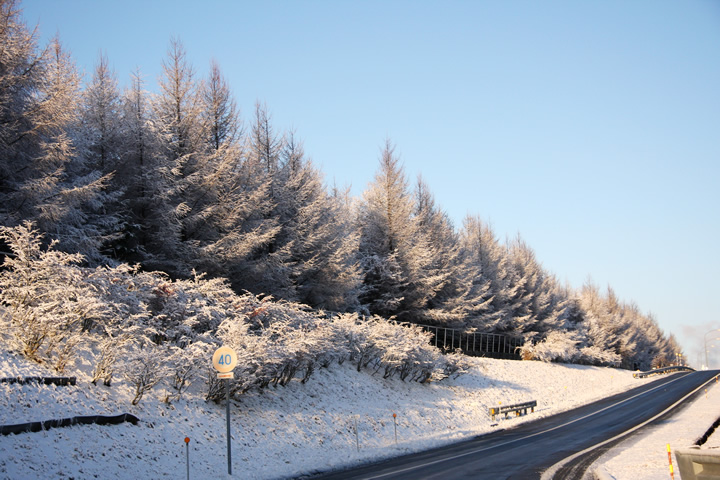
point(698, 464)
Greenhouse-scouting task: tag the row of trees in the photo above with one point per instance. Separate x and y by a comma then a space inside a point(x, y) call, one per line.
point(149, 329)
point(176, 182)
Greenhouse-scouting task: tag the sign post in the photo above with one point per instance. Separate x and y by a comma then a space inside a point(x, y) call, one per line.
point(224, 361)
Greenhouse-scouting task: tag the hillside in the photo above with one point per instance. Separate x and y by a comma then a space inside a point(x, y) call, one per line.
point(277, 432)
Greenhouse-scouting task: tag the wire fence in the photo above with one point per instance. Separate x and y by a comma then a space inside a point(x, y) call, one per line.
point(491, 345)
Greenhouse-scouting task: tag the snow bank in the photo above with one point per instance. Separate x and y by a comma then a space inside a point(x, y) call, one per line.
point(643, 456)
point(277, 432)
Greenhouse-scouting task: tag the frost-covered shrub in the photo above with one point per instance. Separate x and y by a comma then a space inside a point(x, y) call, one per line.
point(357, 337)
point(393, 349)
point(46, 297)
point(563, 346)
point(275, 354)
point(278, 342)
point(184, 365)
point(144, 370)
point(110, 349)
point(593, 355)
point(557, 346)
point(262, 312)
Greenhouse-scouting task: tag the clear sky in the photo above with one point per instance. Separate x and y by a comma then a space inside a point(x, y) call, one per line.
point(590, 128)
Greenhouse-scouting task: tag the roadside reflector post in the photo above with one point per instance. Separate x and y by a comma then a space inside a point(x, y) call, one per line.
point(395, 422)
point(672, 472)
point(187, 456)
point(357, 435)
point(224, 361)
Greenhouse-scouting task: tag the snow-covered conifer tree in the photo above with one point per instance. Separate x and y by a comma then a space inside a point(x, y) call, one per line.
point(387, 232)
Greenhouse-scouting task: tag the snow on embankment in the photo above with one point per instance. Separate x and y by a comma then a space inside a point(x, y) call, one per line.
point(643, 455)
point(277, 432)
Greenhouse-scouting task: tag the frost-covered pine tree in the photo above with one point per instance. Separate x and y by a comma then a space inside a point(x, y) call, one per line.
point(144, 204)
point(216, 199)
point(387, 232)
point(538, 297)
point(42, 179)
point(488, 267)
point(101, 133)
point(253, 259)
point(446, 289)
point(320, 264)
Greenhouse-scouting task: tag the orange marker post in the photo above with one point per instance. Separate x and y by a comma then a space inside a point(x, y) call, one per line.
point(672, 472)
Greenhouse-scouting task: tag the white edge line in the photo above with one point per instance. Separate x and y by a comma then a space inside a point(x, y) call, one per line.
point(407, 469)
point(550, 472)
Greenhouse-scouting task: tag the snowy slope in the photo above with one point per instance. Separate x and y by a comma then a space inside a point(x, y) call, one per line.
point(281, 432)
point(644, 456)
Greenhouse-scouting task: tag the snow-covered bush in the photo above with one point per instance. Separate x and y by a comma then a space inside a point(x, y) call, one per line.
point(110, 349)
point(393, 349)
point(184, 367)
point(594, 355)
point(557, 346)
point(145, 369)
point(47, 300)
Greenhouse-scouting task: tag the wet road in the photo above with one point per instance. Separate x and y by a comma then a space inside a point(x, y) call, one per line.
point(525, 452)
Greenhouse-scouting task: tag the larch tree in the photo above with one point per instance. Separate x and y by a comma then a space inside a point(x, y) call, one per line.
point(140, 175)
point(231, 220)
point(445, 283)
point(487, 262)
point(100, 119)
point(178, 113)
point(41, 177)
point(321, 269)
point(387, 236)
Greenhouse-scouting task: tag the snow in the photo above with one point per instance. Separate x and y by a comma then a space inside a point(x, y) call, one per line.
point(643, 456)
point(301, 428)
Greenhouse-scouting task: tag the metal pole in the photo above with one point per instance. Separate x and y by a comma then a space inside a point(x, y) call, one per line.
point(187, 451)
point(227, 413)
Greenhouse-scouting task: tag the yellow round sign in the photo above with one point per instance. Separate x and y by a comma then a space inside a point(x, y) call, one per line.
point(224, 359)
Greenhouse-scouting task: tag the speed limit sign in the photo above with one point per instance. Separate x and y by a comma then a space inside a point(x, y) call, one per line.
point(224, 359)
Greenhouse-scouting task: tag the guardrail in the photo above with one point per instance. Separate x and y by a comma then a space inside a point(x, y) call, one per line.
point(506, 409)
point(676, 368)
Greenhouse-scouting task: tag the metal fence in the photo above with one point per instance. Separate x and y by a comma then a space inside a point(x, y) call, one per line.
point(491, 345)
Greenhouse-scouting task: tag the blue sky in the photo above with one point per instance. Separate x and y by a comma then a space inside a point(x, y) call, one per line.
point(590, 128)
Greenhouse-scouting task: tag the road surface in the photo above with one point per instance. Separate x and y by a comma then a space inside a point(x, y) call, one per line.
point(562, 446)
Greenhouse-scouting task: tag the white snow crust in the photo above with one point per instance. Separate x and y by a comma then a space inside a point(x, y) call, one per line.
point(643, 456)
point(286, 432)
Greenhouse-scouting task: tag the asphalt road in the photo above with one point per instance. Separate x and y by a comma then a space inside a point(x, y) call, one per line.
point(525, 452)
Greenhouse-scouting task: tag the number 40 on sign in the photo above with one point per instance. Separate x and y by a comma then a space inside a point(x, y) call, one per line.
point(224, 361)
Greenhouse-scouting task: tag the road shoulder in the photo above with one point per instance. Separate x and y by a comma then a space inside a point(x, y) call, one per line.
point(643, 456)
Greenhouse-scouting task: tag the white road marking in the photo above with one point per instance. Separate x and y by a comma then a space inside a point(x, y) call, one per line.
point(550, 472)
point(559, 464)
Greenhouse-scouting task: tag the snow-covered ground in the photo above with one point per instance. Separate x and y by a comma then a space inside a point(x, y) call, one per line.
point(643, 456)
point(301, 428)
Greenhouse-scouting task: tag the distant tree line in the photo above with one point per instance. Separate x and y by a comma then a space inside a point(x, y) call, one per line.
point(177, 182)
